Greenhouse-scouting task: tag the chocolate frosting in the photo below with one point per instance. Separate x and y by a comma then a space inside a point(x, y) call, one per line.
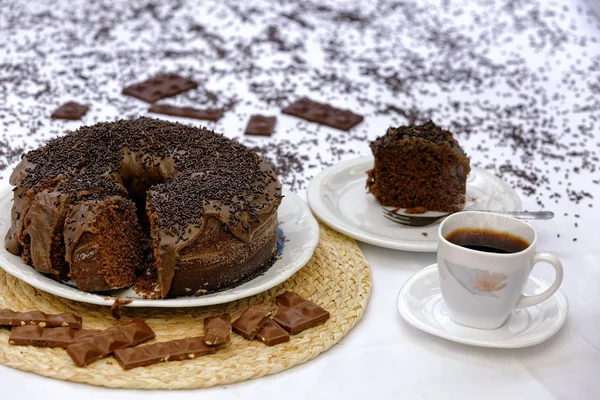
point(188, 174)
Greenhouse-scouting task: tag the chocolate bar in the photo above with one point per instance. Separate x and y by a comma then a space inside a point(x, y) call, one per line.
point(102, 344)
point(187, 112)
point(12, 318)
point(217, 330)
point(252, 320)
point(296, 314)
point(323, 114)
point(260, 125)
point(174, 350)
point(34, 335)
point(160, 87)
point(70, 110)
point(272, 333)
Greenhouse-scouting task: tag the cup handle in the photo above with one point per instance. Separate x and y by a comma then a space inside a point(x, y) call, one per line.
point(528, 301)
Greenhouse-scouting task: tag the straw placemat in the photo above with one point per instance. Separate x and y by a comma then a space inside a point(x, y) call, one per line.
point(337, 277)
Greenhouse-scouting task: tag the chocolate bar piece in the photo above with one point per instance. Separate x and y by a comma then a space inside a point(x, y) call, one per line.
point(260, 125)
point(296, 314)
point(102, 344)
point(12, 318)
point(187, 112)
point(217, 330)
point(272, 333)
point(174, 350)
point(252, 320)
point(160, 87)
point(70, 110)
point(34, 335)
point(323, 114)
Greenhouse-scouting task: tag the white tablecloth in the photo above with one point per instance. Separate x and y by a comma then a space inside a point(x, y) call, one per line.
point(383, 357)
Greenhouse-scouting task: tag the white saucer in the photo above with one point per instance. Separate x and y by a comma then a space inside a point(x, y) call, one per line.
point(339, 198)
point(421, 304)
point(299, 227)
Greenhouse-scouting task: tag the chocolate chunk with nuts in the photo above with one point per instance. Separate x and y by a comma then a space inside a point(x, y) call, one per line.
point(35, 335)
point(252, 320)
point(12, 318)
point(272, 333)
point(296, 314)
point(70, 110)
point(102, 344)
point(217, 330)
point(260, 125)
point(160, 87)
point(174, 350)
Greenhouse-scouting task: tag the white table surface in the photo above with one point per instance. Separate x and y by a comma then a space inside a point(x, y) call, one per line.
point(383, 357)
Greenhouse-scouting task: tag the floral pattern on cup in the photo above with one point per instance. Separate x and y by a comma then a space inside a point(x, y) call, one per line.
point(477, 281)
point(486, 282)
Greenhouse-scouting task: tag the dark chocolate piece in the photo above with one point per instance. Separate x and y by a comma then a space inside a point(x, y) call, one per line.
point(102, 344)
point(252, 320)
point(160, 87)
point(272, 333)
point(174, 350)
point(260, 125)
point(70, 110)
point(187, 112)
point(12, 318)
point(34, 335)
point(296, 314)
point(217, 330)
point(323, 114)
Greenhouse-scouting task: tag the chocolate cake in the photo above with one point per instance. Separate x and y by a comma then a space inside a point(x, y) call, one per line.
point(419, 167)
point(189, 209)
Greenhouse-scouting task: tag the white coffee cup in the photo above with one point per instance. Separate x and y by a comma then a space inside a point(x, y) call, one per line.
point(481, 289)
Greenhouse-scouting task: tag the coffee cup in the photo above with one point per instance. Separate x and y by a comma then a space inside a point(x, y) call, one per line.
point(484, 261)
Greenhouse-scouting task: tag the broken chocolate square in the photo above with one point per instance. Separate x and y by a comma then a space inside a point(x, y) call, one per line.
point(252, 320)
point(272, 333)
point(296, 314)
point(323, 114)
point(160, 87)
point(260, 125)
point(217, 330)
point(70, 110)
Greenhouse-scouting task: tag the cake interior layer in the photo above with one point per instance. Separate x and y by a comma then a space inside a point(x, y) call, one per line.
point(110, 244)
point(407, 177)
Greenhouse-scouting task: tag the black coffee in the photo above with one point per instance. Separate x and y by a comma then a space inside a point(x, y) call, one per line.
point(487, 240)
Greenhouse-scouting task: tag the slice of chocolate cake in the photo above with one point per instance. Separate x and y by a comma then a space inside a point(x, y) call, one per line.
point(419, 167)
point(105, 244)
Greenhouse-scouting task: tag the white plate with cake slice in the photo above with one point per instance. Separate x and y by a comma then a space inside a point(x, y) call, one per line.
point(300, 230)
point(338, 197)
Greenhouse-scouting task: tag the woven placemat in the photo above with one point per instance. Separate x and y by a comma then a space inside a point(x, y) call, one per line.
point(337, 277)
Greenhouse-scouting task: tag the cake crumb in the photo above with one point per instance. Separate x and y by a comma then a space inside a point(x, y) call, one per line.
point(117, 308)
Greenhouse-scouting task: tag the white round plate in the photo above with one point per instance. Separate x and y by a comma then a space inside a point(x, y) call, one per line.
point(339, 198)
point(421, 304)
point(299, 227)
